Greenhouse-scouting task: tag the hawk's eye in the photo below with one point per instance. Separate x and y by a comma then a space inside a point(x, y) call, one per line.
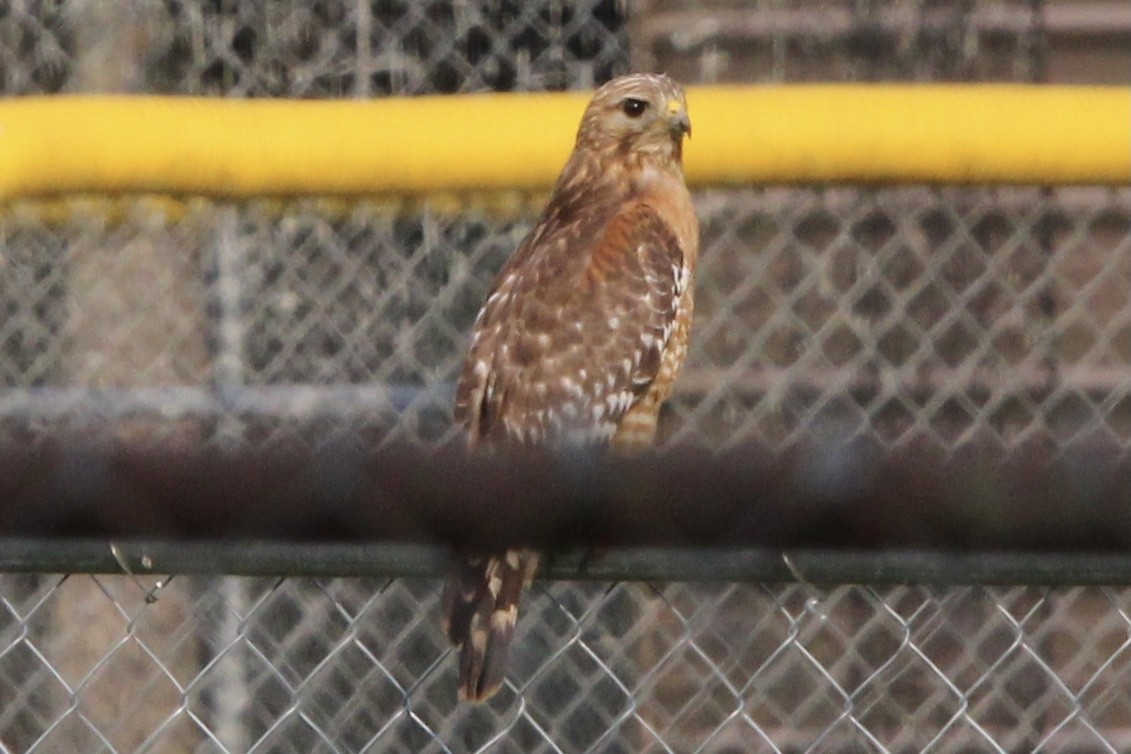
point(633, 107)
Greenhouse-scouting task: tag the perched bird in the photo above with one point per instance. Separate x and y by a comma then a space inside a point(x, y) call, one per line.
point(583, 332)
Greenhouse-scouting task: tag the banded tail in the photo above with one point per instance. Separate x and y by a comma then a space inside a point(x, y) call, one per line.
point(480, 608)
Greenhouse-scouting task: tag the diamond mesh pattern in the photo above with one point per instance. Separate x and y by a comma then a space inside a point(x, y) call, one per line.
point(329, 48)
point(969, 316)
point(964, 315)
point(355, 666)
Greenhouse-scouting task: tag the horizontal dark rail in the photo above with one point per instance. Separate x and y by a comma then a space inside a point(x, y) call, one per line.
point(266, 558)
point(851, 495)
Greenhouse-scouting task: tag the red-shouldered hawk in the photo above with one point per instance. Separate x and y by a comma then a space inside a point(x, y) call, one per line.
point(583, 332)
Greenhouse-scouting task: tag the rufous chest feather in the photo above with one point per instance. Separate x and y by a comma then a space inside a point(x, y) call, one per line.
point(665, 191)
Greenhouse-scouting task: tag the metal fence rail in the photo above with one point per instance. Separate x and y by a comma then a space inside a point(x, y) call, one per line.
point(852, 493)
point(966, 320)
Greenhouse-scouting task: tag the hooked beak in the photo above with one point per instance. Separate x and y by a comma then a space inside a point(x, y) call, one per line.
point(678, 121)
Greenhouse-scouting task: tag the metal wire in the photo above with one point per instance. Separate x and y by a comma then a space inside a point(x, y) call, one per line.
point(976, 320)
point(343, 666)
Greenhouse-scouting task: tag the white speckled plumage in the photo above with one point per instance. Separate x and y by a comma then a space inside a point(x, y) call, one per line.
point(583, 331)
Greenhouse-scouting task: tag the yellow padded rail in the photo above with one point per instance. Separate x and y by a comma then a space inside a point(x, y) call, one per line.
point(51, 146)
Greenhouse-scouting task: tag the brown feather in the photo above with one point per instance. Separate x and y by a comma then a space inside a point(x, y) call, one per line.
point(583, 331)
point(480, 608)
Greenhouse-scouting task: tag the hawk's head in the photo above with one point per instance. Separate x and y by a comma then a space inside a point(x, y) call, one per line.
point(642, 113)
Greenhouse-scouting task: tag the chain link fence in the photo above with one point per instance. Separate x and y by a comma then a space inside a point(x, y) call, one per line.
point(304, 665)
point(965, 317)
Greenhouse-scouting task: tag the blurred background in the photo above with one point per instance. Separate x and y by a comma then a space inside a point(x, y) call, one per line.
point(951, 316)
